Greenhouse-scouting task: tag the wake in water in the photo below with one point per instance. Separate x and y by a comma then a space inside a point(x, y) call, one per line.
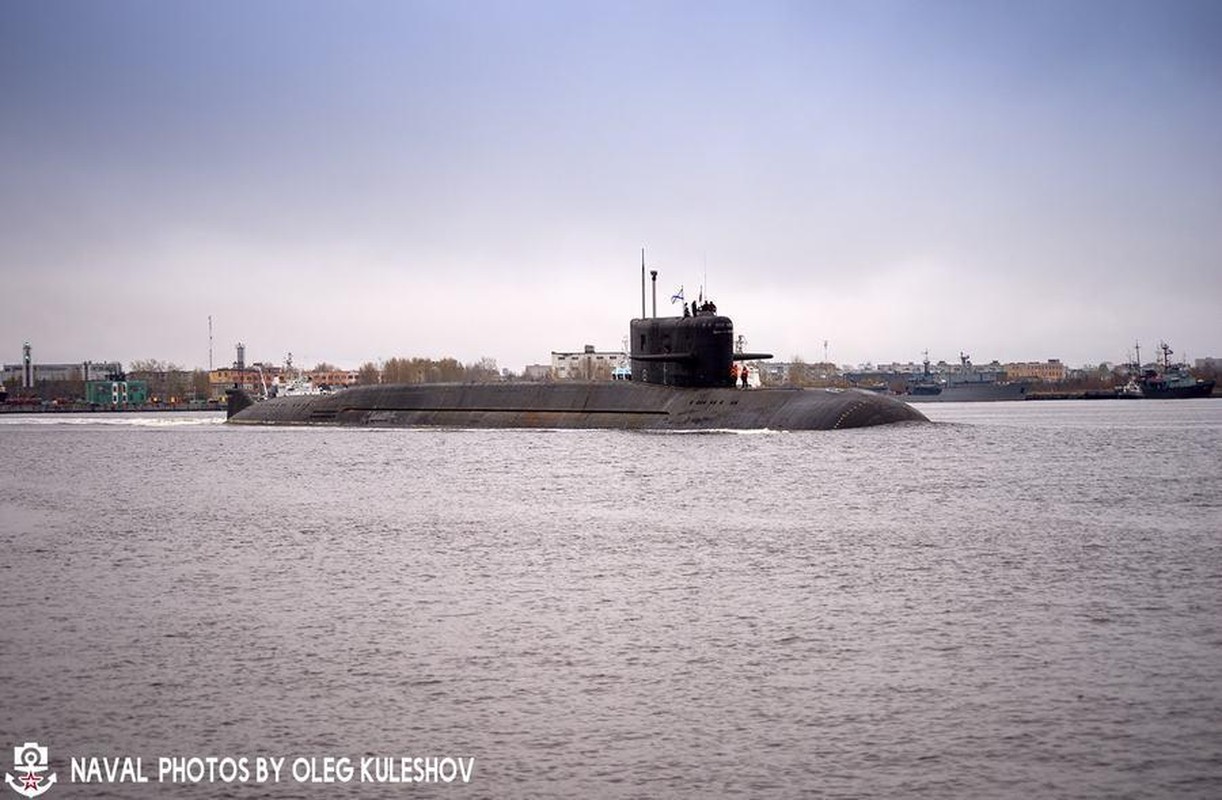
point(134, 419)
point(716, 432)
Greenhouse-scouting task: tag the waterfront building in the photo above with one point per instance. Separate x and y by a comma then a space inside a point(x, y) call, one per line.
point(1050, 371)
point(335, 378)
point(27, 375)
point(897, 368)
point(589, 364)
point(254, 379)
point(116, 393)
point(776, 373)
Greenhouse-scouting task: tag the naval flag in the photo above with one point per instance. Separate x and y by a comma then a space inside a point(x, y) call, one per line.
point(677, 297)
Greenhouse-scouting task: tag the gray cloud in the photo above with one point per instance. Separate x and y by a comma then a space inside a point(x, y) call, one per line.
point(388, 179)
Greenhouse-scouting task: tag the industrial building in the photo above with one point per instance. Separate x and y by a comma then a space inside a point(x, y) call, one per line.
point(27, 374)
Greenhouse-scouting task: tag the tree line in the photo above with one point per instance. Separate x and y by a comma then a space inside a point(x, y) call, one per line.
point(427, 370)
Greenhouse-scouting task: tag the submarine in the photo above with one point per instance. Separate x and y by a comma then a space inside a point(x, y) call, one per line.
point(681, 379)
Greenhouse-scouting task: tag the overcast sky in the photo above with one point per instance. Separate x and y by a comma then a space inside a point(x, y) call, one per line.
point(356, 181)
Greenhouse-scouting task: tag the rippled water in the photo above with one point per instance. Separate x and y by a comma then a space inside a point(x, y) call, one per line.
point(1020, 600)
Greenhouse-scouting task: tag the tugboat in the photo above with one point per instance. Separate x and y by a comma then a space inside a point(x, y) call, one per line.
point(1170, 381)
point(680, 379)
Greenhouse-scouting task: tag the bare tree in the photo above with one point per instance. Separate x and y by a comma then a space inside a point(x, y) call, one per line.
point(798, 375)
point(482, 371)
point(166, 381)
point(200, 387)
point(368, 374)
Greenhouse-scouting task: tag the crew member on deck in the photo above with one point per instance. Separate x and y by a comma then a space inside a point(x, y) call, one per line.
point(743, 373)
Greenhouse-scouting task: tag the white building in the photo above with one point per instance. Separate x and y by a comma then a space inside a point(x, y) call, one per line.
point(588, 365)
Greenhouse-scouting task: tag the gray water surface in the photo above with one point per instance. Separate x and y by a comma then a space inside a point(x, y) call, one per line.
point(1019, 600)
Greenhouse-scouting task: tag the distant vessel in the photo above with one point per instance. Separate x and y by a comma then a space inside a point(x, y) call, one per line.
point(1170, 381)
point(293, 382)
point(967, 385)
point(680, 378)
point(295, 387)
point(925, 385)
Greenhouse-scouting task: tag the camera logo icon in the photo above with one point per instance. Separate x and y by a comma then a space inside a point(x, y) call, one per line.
point(30, 761)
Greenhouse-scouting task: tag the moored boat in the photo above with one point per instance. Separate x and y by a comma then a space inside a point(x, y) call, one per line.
point(1167, 381)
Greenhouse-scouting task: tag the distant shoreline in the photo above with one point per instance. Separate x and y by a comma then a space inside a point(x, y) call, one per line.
point(1098, 394)
point(219, 407)
point(86, 409)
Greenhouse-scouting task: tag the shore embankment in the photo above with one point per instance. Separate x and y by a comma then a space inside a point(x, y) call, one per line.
point(1091, 394)
point(86, 408)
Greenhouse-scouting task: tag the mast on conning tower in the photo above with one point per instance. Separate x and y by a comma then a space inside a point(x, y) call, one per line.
point(642, 283)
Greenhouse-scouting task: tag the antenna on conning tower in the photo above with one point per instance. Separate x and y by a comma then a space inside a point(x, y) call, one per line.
point(642, 283)
point(653, 276)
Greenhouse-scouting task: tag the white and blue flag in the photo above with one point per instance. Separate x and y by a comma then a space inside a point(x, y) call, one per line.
point(677, 297)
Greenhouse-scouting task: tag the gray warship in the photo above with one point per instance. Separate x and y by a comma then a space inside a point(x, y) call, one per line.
point(968, 384)
point(681, 379)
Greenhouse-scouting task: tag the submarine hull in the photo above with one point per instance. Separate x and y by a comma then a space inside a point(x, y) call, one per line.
point(608, 404)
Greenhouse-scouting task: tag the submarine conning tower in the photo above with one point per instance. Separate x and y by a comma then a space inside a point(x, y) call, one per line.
point(683, 351)
point(694, 350)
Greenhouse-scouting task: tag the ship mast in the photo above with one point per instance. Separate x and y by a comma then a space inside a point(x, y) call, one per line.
point(1166, 351)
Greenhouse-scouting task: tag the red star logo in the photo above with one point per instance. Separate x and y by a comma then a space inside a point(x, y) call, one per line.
point(31, 781)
